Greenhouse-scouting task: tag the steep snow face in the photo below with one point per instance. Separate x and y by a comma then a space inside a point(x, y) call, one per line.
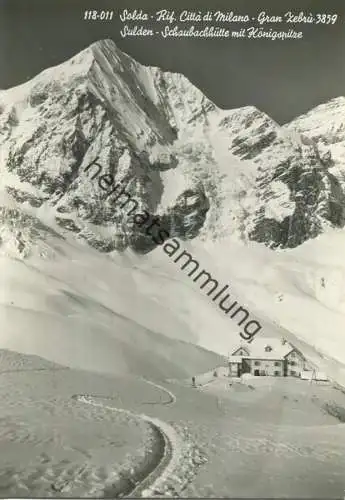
point(200, 171)
point(325, 125)
point(297, 197)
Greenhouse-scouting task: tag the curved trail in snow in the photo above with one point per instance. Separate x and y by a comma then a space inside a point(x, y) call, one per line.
point(171, 395)
point(165, 460)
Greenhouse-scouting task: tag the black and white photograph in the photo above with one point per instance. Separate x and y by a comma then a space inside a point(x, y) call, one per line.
point(172, 249)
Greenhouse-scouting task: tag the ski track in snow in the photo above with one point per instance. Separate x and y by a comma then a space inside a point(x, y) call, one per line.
point(176, 459)
point(172, 397)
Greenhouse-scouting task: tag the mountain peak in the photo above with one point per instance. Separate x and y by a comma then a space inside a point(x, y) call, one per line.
point(185, 160)
point(103, 46)
point(101, 52)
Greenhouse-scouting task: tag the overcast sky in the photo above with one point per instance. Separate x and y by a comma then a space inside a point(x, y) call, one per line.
point(282, 78)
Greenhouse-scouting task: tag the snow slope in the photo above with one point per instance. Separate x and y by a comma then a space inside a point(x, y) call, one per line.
point(105, 323)
point(54, 446)
point(143, 315)
point(277, 438)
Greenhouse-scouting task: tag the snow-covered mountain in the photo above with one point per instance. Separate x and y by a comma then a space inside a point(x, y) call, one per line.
point(229, 183)
point(325, 125)
point(197, 168)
